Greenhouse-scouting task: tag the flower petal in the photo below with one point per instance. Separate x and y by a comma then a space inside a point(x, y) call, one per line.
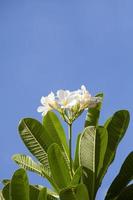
point(40, 109)
point(43, 99)
point(51, 96)
point(83, 88)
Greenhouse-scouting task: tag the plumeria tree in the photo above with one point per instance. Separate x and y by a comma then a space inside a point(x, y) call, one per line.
point(70, 105)
point(77, 178)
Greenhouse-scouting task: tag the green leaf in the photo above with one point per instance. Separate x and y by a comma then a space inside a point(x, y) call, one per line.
point(93, 144)
point(59, 169)
point(81, 192)
point(47, 194)
point(5, 181)
point(116, 127)
point(56, 134)
point(34, 137)
point(19, 188)
point(126, 194)
point(34, 192)
point(76, 157)
point(68, 193)
point(55, 131)
point(27, 163)
point(93, 114)
point(100, 147)
point(78, 192)
point(5, 192)
point(43, 194)
point(123, 178)
point(1, 196)
point(51, 195)
point(77, 177)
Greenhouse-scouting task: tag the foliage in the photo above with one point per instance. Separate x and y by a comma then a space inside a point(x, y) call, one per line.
point(95, 151)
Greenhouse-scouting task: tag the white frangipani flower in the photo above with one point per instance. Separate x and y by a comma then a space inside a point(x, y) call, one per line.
point(83, 97)
point(65, 99)
point(48, 103)
point(70, 104)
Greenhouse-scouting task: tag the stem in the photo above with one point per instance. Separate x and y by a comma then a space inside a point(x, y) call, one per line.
point(70, 146)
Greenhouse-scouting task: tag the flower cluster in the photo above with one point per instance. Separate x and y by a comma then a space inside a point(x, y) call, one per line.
point(70, 104)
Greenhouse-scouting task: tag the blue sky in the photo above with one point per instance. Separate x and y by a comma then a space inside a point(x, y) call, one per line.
point(46, 45)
